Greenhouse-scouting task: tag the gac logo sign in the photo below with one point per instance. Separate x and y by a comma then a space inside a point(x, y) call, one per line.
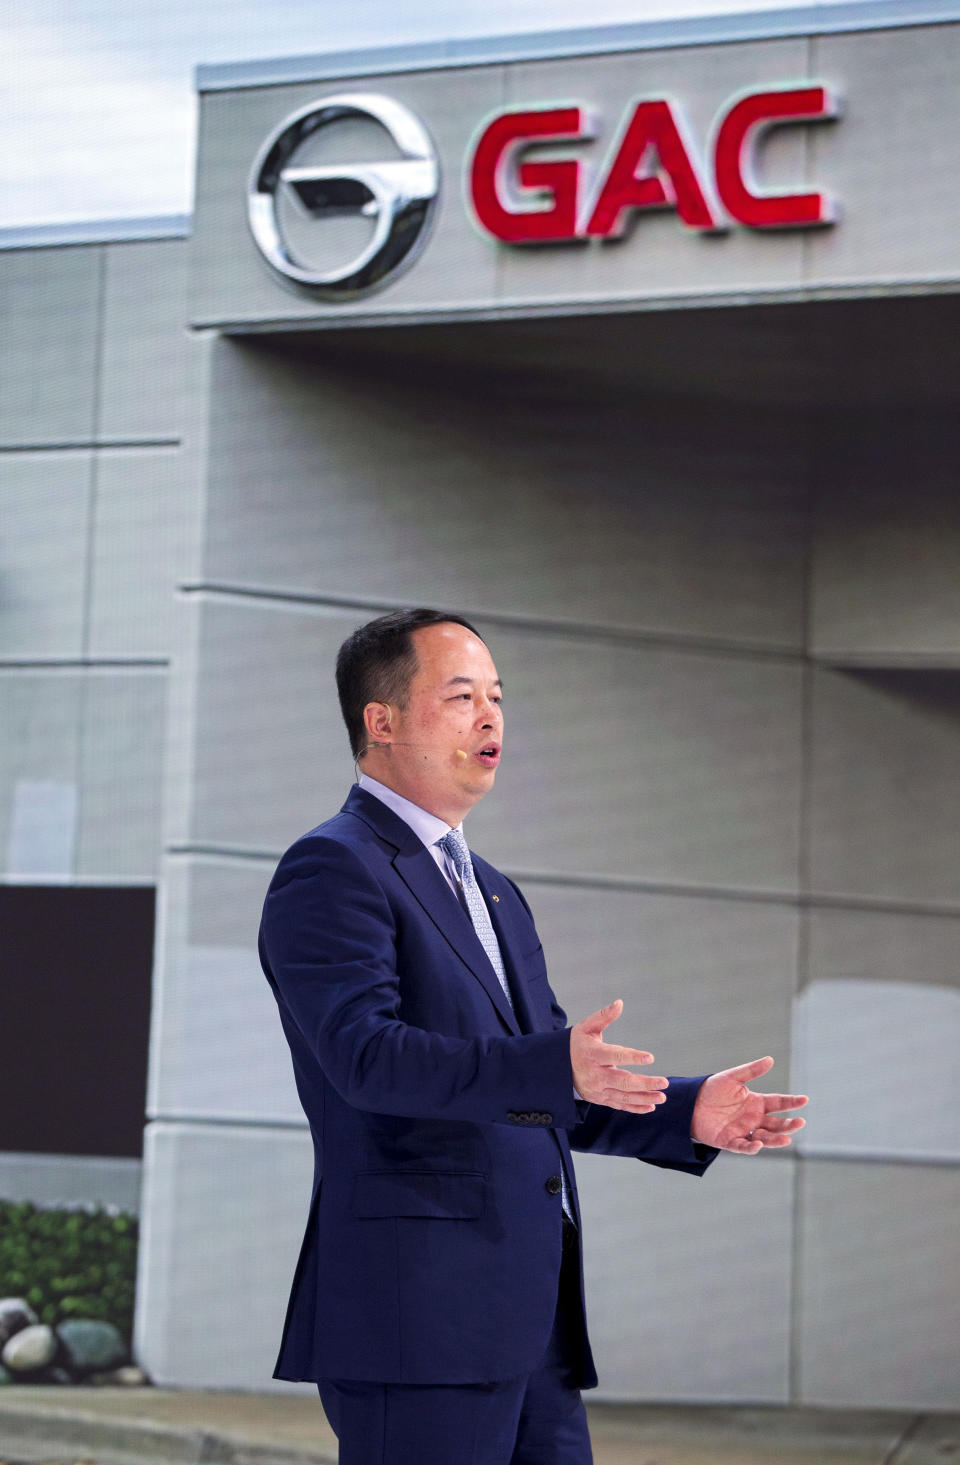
point(530, 200)
point(396, 193)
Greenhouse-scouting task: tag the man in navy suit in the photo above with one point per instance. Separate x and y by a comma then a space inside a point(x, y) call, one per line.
point(438, 1300)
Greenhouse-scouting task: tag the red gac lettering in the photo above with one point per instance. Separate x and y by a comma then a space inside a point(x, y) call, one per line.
point(732, 158)
point(524, 201)
point(557, 181)
point(652, 170)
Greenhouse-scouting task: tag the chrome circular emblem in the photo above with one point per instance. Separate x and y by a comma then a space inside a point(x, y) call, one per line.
point(398, 195)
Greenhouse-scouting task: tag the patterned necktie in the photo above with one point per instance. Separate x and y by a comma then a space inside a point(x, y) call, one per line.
point(456, 847)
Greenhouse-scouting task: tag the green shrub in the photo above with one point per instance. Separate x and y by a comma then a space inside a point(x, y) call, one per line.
point(70, 1263)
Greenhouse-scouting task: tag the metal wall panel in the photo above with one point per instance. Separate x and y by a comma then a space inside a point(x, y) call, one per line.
point(145, 373)
point(121, 766)
point(848, 1035)
point(267, 724)
point(223, 1054)
point(706, 982)
point(44, 510)
point(620, 760)
point(224, 1210)
point(894, 166)
point(675, 1268)
point(897, 946)
point(49, 323)
point(878, 1311)
point(885, 800)
point(886, 544)
point(882, 990)
point(480, 490)
point(146, 523)
point(39, 755)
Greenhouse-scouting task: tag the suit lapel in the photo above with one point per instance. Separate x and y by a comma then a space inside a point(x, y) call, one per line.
point(420, 873)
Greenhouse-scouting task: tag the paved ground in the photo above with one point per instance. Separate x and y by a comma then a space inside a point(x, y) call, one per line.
point(87, 1426)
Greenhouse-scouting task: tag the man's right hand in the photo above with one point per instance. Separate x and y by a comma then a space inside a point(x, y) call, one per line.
point(598, 1074)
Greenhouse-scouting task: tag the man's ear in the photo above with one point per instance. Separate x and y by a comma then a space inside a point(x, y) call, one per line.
point(376, 719)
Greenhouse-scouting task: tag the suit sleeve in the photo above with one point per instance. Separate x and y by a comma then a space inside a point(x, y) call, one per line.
point(662, 1138)
point(327, 942)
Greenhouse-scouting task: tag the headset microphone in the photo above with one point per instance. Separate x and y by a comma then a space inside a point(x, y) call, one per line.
point(430, 747)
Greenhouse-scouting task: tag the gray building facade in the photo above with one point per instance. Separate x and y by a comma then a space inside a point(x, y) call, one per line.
point(697, 488)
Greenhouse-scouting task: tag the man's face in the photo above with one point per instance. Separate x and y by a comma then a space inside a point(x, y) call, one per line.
point(452, 708)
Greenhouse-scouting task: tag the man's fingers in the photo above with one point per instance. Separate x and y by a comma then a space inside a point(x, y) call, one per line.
point(629, 1103)
point(615, 1098)
point(773, 1103)
point(617, 1057)
point(747, 1071)
point(597, 1021)
point(619, 1078)
point(772, 1125)
point(616, 1095)
point(601, 1070)
point(774, 1135)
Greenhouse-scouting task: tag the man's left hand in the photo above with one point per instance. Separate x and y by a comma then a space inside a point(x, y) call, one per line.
point(730, 1116)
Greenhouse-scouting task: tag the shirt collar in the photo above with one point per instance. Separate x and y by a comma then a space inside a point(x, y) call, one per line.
point(428, 828)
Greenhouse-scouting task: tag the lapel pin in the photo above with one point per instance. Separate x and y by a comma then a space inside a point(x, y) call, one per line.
point(497, 899)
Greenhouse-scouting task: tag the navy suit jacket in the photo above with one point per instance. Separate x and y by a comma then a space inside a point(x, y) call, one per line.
point(432, 1248)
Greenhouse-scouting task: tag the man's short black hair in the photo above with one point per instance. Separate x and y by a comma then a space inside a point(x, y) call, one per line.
point(377, 663)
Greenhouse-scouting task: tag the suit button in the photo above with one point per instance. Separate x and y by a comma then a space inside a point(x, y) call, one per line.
point(554, 1185)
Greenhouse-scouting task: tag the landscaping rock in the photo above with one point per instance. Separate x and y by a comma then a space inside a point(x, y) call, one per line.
point(30, 1349)
point(90, 1346)
point(129, 1377)
point(15, 1315)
